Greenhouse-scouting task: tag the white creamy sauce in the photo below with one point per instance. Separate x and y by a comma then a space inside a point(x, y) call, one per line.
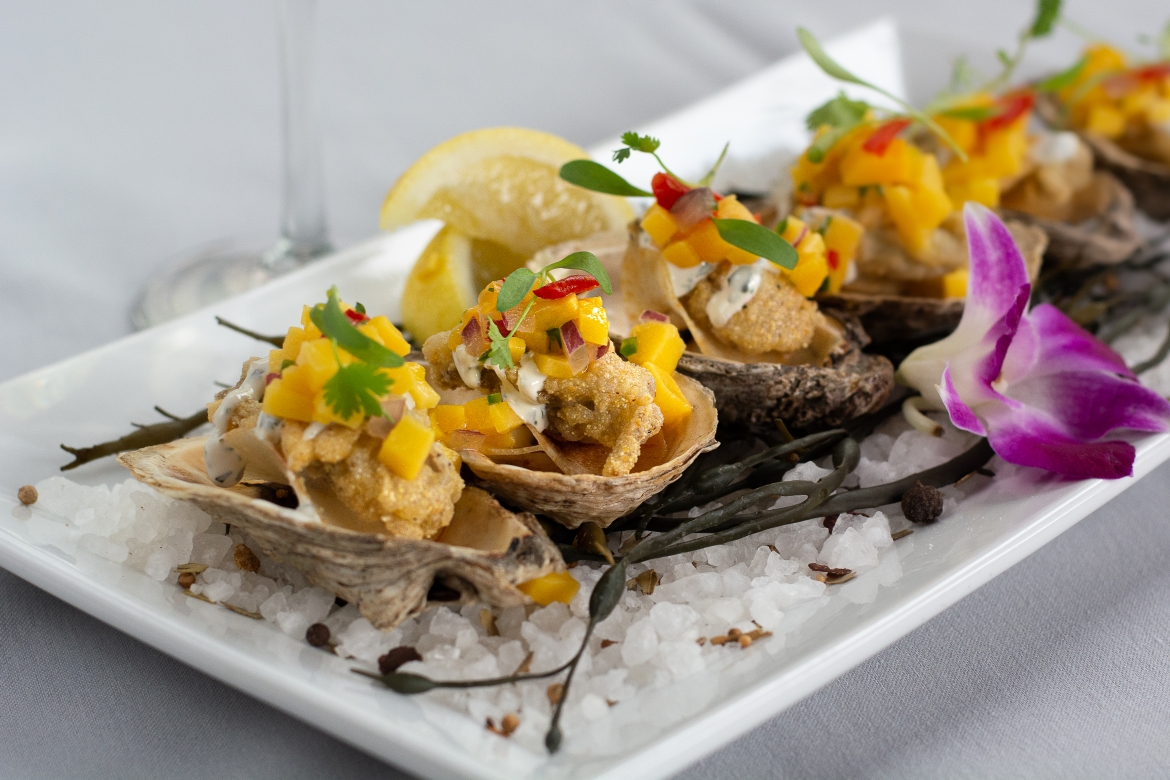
point(530, 380)
point(468, 366)
point(224, 465)
point(535, 414)
point(741, 287)
point(313, 430)
point(1052, 148)
point(683, 280)
point(268, 427)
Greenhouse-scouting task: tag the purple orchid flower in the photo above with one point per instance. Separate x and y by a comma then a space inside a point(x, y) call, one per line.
point(1041, 389)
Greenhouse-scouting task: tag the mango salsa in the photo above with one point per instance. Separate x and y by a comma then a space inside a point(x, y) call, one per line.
point(406, 448)
point(658, 343)
point(558, 586)
point(668, 397)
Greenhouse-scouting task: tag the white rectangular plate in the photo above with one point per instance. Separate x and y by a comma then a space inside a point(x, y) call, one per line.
point(91, 397)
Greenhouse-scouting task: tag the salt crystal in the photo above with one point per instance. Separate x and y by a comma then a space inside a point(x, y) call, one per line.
point(807, 471)
point(849, 550)
point(103, 547)
point(681, 658)
point(703, 585)
point(209, 549)
point(720, 556)
point(766, 613)
point(640, 644)
point(510, 656)
point(448, 624)
point(724, 611)
point(735, 581)
point(549, 619)
point(778, 568)
point(672, 620)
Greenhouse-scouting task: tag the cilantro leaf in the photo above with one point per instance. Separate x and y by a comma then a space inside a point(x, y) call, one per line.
point(641, 143)
point(516, 286)
point(331, 320)
point(758, 240)
point(1063, 79)
point(499, 353)
point(621, 155)
point(838, 112)
point(629, 346)
point(595, 176)
point(582, 261)
point(356, 388)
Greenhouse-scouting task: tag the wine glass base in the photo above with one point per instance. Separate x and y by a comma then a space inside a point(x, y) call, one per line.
point(212, 275)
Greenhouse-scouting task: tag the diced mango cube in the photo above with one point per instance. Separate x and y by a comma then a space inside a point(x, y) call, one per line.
point(952, 285)
point(519, 436)
point(450, 417)
point(406, 448)
point(659, 224)
point(411, 378)
point(963, 131)
point(840, 196)
point(980, 190)
point(809, 274)
point(1105, 120)
point(730, 208)
point(554, 313)
point(516, 347)
point(658, 344)
point(554, 366)
point(311, 331)
point(275, 359)
point(682, 254)
point(668, 397)
point(318, 362)
point(292, 342)
point(477, 415)
point(842, 237)
point(282, 400)
point(503, 418)
point(711, 247)
point(593, 321)
point(391, 336)
point(898, 165)
point(558, 586)
point(914, 234)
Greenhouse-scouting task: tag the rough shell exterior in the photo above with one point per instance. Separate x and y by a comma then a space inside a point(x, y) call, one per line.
point(1148, 181)
point(801, 396)
point(894, 318)
point(572, 499)
point(389, 579)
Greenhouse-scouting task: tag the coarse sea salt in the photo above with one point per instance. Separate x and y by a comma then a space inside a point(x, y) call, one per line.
point(651, 641)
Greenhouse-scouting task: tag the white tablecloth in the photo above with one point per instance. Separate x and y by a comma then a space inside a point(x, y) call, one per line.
point(131, 132)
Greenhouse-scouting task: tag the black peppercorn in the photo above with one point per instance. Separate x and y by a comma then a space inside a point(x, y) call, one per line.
point(317, 634)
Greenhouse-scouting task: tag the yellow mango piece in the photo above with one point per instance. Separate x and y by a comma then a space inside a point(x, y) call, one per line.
point(982, 190)
point(554, 313)
point(593, 321)
point(318, 360)
point(730, 208)
point(513, 439)
point(709, 246)
point(292, 342)
point(450, 417)
point(310, 330)
point(682, 254)
point(842, 237)
point(503, 418)
point(406, 448)
point(275, 359)
point(931, 206)
point(963, 131)
point(391, 337)
point(840, 196)
point(659, 224)
point(281, 400)
point(658, 344)
point(558, 586)
point(809, 274)
point(411, 378)
point(900, 203)
point(1105, 120)
point(811, 246)
point(793, 229)
point(668, 397)
point(477, 416)
point(1005, 151)
point(554, 366)
point(898, 165)
point(324, 414)
point(516, 347)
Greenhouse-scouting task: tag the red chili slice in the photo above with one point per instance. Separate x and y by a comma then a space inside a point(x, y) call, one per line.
point(667, 189)
point(356, 316)
point(570, 285)
point(1152, 72)
point(881, 139)
point(833, 258)
point(1011, 108)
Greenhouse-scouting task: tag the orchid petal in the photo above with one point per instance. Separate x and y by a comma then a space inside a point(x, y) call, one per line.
point(997, 269)
point(1028, 437)
point(961, 414)
point(1090, 404)
point(1066, 344)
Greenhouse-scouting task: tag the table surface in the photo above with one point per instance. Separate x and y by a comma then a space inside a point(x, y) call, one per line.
point(134, 132)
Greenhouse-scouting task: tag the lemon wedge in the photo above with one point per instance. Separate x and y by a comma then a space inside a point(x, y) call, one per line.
point(500, 195)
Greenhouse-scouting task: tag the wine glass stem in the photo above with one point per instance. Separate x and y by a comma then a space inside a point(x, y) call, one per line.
point(304, 228)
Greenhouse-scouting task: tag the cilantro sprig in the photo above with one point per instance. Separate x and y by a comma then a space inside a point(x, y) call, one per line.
point(358, 386)
point(518, 284)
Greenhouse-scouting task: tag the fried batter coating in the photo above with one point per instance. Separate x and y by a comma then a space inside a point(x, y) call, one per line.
point(776, 319)
point(611, 403)
point(416, 508)
point(331, 445)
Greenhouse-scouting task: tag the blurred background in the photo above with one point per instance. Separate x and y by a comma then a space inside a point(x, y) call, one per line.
point(134, 132)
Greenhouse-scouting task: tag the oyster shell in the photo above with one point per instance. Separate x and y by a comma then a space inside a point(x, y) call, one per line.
point(482, 555)
point(581, 493)
point(1147, 180)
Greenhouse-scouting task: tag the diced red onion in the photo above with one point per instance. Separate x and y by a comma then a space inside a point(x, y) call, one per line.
point(473, 338)
point(597, 350)
point(574, 346)
point(268, 379)
point(653, 316)
point(800, 236)
point(512, 319)
point(465, 440)
point(394, 406)
point(379, 427)
point(693, 207)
